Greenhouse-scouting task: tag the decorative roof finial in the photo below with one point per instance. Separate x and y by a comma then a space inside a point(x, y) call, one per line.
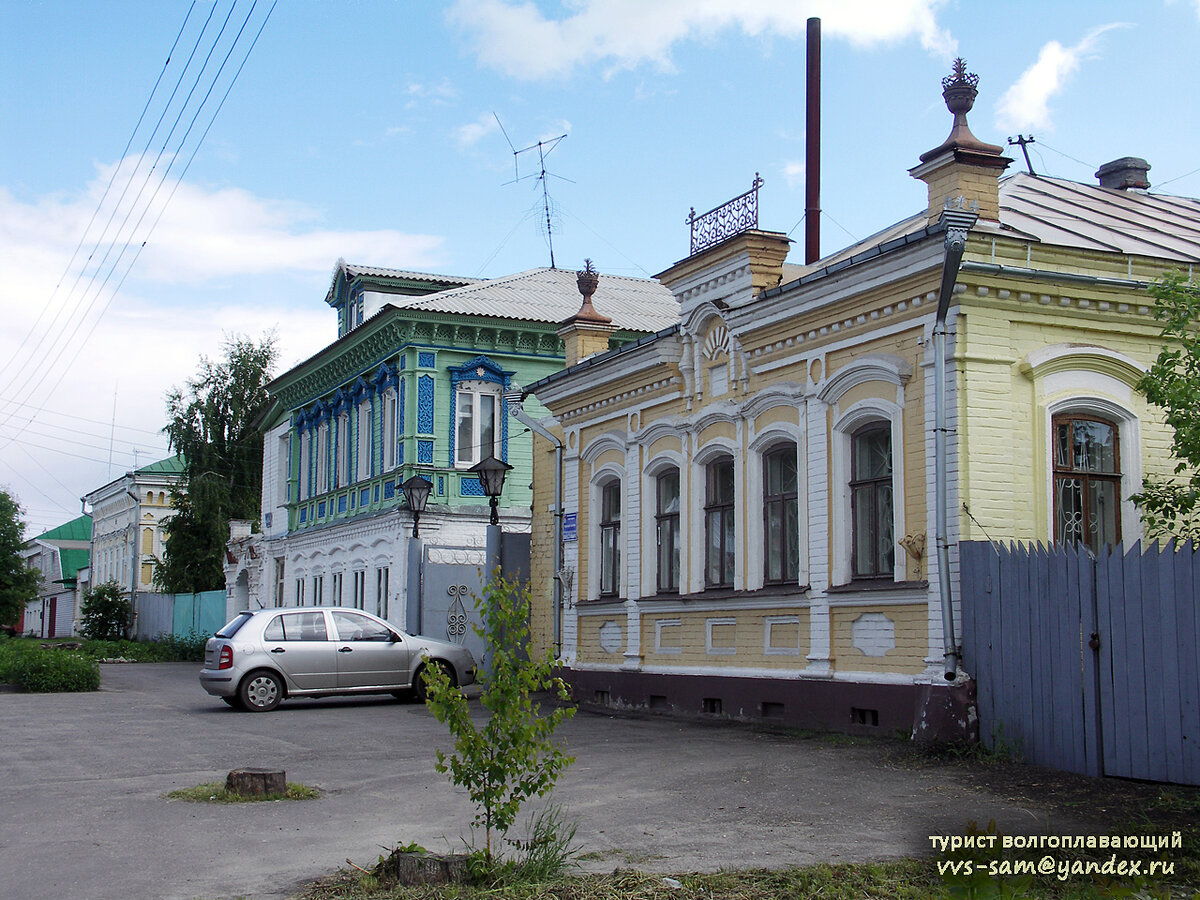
point(587, 279)
point(959, 90)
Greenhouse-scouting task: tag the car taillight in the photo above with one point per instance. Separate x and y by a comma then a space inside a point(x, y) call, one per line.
point(226, 658)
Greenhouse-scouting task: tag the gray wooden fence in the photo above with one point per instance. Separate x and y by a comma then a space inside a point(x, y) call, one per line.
point(180, 615)
point(1083, 664)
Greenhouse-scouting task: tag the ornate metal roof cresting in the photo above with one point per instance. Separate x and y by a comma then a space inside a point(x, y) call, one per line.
point(738, 215)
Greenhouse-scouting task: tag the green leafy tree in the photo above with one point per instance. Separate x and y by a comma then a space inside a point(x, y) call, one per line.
point(213, 427)
point(105, 613)
point(1170, 506)
point(18, 582)
point(512, 756)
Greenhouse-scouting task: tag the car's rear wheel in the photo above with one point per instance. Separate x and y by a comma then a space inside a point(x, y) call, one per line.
point(261, 691)
point(419, 679)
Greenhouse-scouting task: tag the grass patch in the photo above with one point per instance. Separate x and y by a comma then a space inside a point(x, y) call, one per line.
point(214, 792)
point(902, 880)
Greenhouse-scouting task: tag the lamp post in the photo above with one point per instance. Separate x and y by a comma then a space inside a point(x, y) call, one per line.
point(416, 494)
point(491, 472)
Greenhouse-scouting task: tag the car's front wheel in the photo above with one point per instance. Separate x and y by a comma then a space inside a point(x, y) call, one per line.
point(261, 691)
point(419, 680)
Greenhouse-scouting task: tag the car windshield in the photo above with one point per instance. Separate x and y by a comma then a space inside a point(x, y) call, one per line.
point(231, 627)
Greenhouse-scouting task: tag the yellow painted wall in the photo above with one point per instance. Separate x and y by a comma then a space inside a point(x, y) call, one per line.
point(1003, 437)
point(911, 624)
point(745, 635)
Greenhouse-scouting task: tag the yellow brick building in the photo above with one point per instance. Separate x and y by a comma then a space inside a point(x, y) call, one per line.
point(748, 498)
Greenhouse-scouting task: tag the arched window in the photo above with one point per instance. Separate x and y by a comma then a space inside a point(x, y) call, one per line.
point(871, 502)
point(610, 538)
point(781, 516)
point(666, 521)
point(1087, 481)
point(719, 544)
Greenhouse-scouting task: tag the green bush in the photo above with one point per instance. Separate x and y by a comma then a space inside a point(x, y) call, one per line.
point(50, 671)
point(105, 613)
point(185, 648)
point(12, 653)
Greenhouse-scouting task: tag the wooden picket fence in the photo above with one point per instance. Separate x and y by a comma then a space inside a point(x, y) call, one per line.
point(1086, 664)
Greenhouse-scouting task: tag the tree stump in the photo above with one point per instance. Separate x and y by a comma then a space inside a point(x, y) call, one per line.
point(429, 868)
point(256, 782)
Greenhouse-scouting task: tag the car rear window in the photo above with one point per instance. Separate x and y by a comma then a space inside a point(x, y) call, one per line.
point(233, 625)
point(309, 626)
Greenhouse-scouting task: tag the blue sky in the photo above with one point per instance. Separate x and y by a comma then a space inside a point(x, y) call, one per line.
point(366, 129)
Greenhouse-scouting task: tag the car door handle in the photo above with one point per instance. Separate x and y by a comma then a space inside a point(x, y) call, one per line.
point(345, 649)
point(278, 650)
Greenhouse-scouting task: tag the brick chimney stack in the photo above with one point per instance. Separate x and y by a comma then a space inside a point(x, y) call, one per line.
point(586, 333)
point(962, 165)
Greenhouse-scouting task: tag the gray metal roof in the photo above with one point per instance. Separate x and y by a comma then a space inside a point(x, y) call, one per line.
point(354, 271)
point(1057, 212)
point(1088, 217)
point(551, 295)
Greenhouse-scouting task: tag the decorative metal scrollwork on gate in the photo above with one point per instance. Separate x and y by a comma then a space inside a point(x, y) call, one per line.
point(456, 616)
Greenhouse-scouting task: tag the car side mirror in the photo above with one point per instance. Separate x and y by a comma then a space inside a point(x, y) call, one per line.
point(393, 637)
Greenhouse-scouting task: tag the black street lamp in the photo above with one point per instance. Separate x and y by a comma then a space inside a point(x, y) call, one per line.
point(491, 472)
point(416, 493)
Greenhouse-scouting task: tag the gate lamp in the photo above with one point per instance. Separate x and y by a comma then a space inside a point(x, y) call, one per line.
point(491, 472)
point(416, 493)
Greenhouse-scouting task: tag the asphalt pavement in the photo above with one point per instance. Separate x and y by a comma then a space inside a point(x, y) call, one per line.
point(83, 779)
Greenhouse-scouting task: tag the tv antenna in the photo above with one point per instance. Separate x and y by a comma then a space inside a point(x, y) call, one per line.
point(544, 149)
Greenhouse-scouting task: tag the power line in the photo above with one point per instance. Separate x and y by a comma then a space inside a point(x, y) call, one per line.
point(61, 344)
point(54, 412)
point(104, 196)
point(117, 205)
point(178, 181)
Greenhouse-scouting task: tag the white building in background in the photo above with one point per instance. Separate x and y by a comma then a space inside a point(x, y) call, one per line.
point(59, 556)
point(128, 515)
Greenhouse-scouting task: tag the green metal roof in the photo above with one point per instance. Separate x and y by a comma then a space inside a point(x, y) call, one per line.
point(172, 465)
point(76, 530)
point(72, 561)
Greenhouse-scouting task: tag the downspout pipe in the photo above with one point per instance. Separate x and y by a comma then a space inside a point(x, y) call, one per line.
point(957, 220)
point(515, 397)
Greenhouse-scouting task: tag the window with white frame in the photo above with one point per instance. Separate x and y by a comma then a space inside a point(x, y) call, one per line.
point(359, 591)
point(304, 487)
point(781, 516)
point(279, 582)
point(283, 474)
point(1087, 481)
point(477, 423)
point(363, 467)
point(389, 429)
point(323, 458)
point(719, 543)
point(872, 502)
point(341, 461)
point(381, 592)
point(666, 526)
point(610, 538)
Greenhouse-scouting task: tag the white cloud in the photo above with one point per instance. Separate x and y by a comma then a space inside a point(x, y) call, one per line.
point(1026, 104)
point(793, 172)
point(220, 261)
point(473, 132)
point(517, 39)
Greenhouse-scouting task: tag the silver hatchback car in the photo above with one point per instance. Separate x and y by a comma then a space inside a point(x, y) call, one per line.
point(262, 657)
